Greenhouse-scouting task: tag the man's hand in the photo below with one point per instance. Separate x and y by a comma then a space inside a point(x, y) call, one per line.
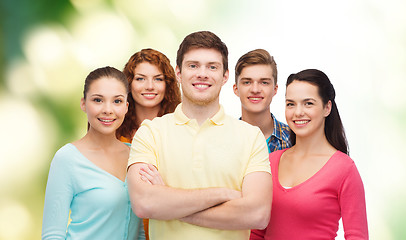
point(152, 198)
point(251, 211)
point(151, 175)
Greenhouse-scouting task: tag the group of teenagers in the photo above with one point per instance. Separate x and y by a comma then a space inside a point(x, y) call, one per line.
point(158, 164)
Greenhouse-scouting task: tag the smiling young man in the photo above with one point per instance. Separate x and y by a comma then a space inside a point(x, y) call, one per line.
point(209, 162)
point(256, 85)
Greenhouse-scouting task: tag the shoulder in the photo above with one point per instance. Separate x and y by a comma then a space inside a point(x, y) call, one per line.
point(348, 178)
point(279, 124)
point(240, 124)
point(342, 159)
point(242, 129)
point(158, 121)
point(276, 154)
point(123, 147)
point(281, 129)
point(155, 127)
point(284, 125)
point(64, 161)
point(64, 153)
point(274, 158)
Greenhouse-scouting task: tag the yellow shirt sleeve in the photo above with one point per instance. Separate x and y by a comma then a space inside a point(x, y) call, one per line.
point(259, 157)
point(144, 146)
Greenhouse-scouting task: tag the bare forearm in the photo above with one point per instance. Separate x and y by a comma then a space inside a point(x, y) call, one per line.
point(165, 203)
point(232, 215)
point(252, 211)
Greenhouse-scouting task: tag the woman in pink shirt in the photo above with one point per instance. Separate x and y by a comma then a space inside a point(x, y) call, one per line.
point(315, 182)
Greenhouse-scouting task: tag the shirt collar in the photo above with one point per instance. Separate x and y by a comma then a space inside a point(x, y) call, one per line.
point(276, 126)
point(181, 118)
point(218, 118)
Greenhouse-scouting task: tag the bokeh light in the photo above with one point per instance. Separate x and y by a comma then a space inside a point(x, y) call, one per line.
point(48, 47)
point(29, 133)
point(19, 220)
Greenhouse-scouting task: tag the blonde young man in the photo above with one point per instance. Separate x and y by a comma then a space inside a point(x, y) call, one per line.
point(256, 85)
point(209, 163)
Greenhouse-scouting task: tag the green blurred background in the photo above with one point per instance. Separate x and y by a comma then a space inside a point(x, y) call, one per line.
point(48, 46)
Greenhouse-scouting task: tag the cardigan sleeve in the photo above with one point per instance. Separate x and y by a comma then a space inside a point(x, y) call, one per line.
point(58, 197)
point(353, 208)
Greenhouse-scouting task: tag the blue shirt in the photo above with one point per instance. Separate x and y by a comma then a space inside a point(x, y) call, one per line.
point(99, 202)
point(279, 138)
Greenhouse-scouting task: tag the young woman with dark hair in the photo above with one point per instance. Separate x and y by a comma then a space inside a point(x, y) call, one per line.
point(315, 182)
point(87, 178)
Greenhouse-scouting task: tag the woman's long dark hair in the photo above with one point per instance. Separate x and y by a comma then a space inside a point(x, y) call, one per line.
point(333, 127)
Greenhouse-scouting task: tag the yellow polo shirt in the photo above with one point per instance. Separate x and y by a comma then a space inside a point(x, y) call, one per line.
point(219, 153)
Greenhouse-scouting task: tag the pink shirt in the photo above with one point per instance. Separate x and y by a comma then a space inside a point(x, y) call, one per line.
point(312, 209)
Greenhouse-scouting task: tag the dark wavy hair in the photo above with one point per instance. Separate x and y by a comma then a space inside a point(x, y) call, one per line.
point(172, 95)
point(333, 128)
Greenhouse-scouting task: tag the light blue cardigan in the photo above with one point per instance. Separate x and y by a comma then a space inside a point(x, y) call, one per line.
point(99, 202)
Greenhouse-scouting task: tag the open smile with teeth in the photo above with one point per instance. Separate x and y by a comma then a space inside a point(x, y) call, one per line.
point(201, 85)
point(255, 98)
point(106, 120)
point(149, 94)
point(302, 121)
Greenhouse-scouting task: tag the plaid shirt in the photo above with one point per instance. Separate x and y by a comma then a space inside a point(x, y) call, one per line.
point(280, 136)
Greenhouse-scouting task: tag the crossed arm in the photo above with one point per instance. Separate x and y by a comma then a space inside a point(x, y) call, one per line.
point(166, 203)
point(250, 211)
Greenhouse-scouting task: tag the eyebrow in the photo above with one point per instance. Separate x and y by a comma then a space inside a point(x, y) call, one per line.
point(194, 61)
point(99, 95)
point(190, 61)
point(248, 78)
point(309, 99)
point(142, 75)
point(304, 100)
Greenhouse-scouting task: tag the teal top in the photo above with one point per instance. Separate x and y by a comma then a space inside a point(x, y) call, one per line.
point(99, 202)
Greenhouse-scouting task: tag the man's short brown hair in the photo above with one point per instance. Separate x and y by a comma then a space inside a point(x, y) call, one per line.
point(203, 39)
point(256, 57)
